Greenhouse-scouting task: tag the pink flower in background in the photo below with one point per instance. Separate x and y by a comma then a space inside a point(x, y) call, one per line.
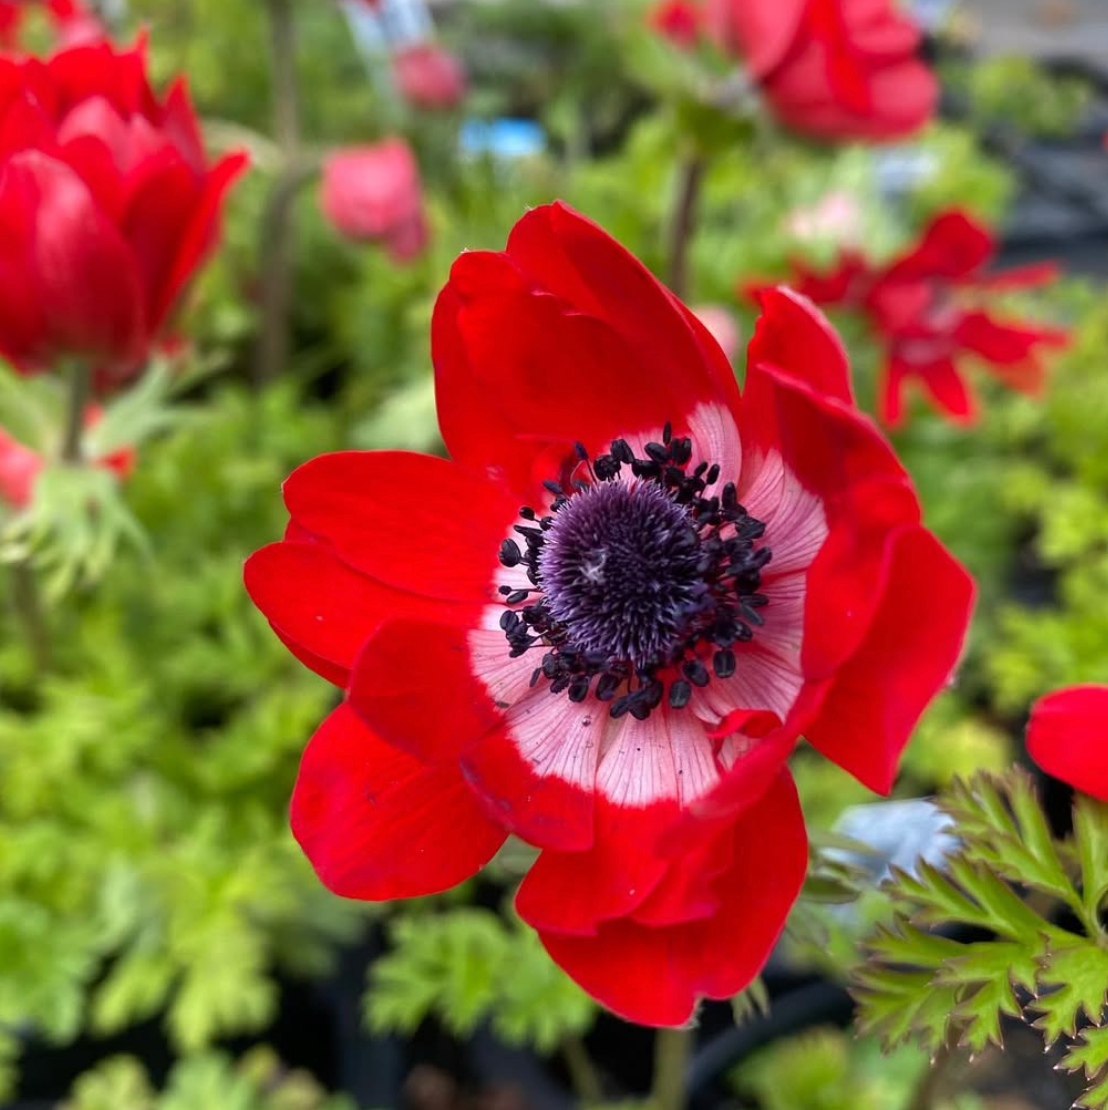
point(720, 321)
point(680, 21)
point(21, 465)
point(429, 76)
point(373, 194)
point(837, 216)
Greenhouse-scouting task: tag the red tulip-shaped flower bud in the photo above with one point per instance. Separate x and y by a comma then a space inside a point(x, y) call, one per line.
point(107, 207)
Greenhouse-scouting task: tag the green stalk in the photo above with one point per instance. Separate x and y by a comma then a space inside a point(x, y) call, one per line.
point(672, 1051)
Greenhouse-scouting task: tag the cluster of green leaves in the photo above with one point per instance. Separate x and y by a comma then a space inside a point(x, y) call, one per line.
point(256, 1082)
point(145, 862)
point(466, 966)
point(1033, 907)
point(827, 1069)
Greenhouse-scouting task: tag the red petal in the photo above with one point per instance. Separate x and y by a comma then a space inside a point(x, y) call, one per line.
point(563, 338)
point(413, 685)
point(377, 824)
point(315, 601)
point(906, 658)
point(1068, 737)
point(569, 255)
point(201, 230)
point(655, 976)
point(76, 261)
point(572, 892)
point(415, 522)
point(540, 783)
point(953, 245)
point(794, 336)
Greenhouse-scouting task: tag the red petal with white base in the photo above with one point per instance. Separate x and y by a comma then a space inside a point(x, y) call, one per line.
point(907, 657)
point(596, 373)
point(1067, 737)
point(415, 522)
point(535, 773)
point(657, 975)
point(378, 824)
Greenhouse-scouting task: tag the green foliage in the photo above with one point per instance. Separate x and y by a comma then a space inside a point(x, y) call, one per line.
point(145, 863)
point(1049, 106)
point(825, 1070)
point(920, 983)
point(466, 966)
point(257, 1082)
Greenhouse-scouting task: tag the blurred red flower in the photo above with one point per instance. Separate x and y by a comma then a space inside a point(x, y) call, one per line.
point(834, 69)
point(930, 308)
point(618, 671)
point(373, 193)
point(20, 465)
point(428, 76)
point(1068, 737)
point(680, 21)
point(107, 206)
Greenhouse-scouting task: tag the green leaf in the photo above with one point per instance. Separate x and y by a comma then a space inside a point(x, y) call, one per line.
point(1002, 823)
point(1090, 834)
point(1076, 981)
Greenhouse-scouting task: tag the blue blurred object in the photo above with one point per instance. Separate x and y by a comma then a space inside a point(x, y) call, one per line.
point(899, 170)
point(394, 24)
point(502, 138)
point(931, 14)
point(901, 833)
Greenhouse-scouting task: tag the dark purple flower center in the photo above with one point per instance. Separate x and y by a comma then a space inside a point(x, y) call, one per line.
point(638, 582)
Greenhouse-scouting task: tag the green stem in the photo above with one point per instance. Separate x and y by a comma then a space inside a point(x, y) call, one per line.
point(582, 1072)
point(683, 222)
point(80, 390)
point(30, 613)
point(927, 1090)
point(278, 225)
point(672, 1050)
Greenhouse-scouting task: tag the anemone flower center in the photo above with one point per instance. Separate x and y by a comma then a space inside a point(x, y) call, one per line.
point(641, 578)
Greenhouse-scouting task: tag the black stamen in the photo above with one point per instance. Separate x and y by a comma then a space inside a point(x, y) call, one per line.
point(637, 582)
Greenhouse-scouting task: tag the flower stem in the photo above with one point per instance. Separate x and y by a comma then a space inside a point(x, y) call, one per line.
point(582, 1072)
point(683, 221)
point(80, 389)
point(30, 613)
point(926, 1093)
point(672, 1050)
point(278, 226)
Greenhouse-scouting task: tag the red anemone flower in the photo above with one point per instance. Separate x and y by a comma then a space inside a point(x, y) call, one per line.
point(373, 194)
point(1067, 737)
point(603, 625)
point(929, 307)
point(833, 69)
point(107, 207)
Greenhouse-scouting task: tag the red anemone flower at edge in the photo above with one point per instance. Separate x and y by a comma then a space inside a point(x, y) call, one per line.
point(1067, 737)
point(604, 624)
